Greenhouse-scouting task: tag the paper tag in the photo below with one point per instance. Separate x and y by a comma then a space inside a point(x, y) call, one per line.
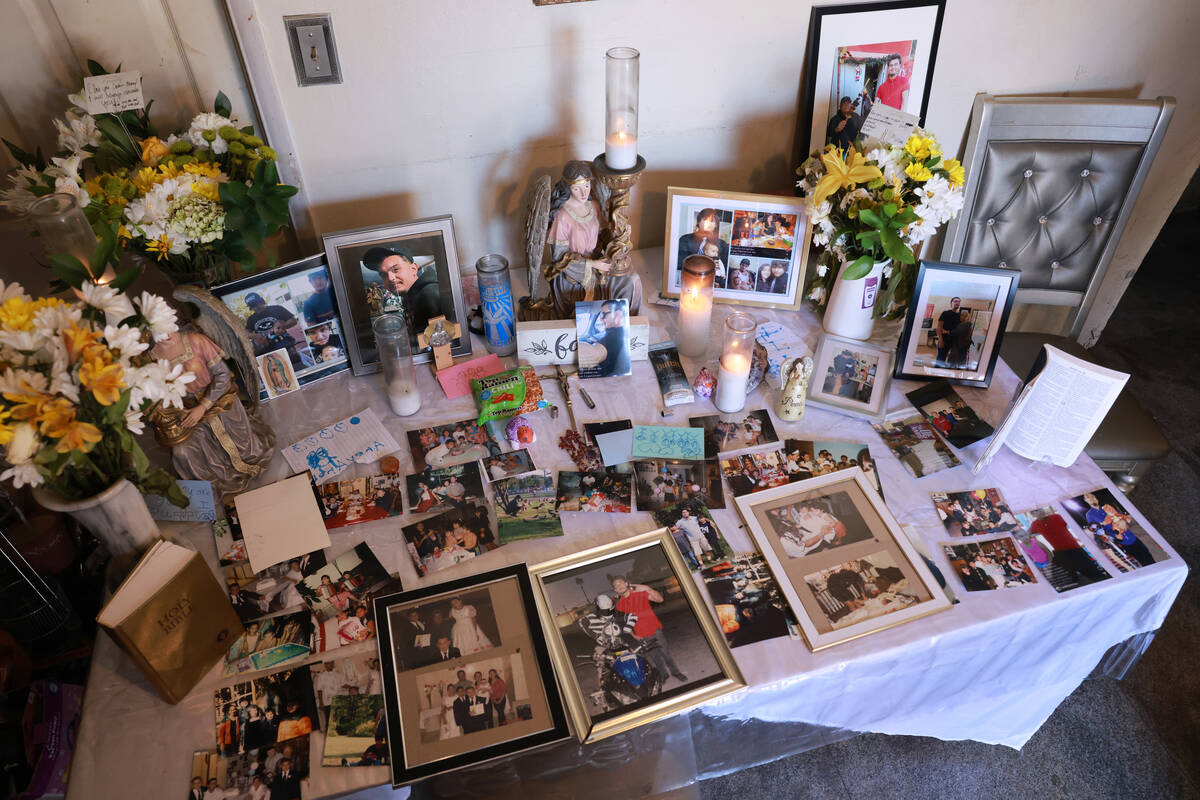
point(661, 441)
point(888, 124)
point(200, 507)
point(360, 437)
point(112, 94)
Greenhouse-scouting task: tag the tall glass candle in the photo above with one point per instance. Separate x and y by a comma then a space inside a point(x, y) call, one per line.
point(621, 103)
point(65, 230)
point(395, 358)
point(737, 352)
point(495, 293)
point(696, 276)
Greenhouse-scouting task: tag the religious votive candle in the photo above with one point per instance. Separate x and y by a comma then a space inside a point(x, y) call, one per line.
point(737, 352)
point(621, 107)
point(392, 340)
point(696, 276)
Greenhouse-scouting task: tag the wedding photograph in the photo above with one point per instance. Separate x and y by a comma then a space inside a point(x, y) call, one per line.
point(444, 629)
point(472, 696)
point(450, 444)
point(727, 432)
point(445, 488)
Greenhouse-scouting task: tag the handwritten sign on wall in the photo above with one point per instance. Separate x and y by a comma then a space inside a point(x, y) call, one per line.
point(359, 437)
point(114, 93)
point(663, 441)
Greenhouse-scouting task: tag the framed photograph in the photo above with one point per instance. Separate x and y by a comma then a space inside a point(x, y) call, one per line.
point(842, 560)
point(759, 243)
point(467, 674)
point(407, 267)
point(955, 323)
point(631, 639)
point(291, 317)
point(850, 376)
point(862, 54)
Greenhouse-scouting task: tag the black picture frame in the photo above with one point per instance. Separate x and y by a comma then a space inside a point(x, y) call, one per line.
point(915, 335)
point(558, 728)
point(818, 24)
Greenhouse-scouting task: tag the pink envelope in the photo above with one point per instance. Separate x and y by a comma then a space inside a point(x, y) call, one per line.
point(456, 380)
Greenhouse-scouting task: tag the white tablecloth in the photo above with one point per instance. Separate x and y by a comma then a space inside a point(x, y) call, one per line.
point(992, 668)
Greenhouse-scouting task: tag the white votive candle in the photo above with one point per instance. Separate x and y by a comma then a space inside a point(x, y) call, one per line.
point(404, 398)
point(732, 378)
point(695, 317)
point(620, 151)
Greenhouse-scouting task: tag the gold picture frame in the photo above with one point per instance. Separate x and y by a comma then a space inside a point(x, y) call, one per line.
point(568, 591)
point(736, 210)
point(837, 525)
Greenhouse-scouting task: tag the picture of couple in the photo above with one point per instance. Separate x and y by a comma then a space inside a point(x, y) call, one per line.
point(860, 590)
point(444, 630)
point(602, 329)
point(818, 524)
point(953, 330)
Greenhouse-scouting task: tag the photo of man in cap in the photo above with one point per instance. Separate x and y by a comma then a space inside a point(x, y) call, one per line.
point(268, 327)
point(843, 128)
point(407, 285)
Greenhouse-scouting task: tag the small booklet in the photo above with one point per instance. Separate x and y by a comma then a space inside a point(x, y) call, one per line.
point(1064, 400)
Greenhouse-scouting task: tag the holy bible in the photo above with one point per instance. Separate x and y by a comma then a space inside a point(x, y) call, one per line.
point(172, 618)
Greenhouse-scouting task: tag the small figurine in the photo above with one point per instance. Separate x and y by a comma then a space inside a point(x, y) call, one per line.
point(439, 335)
point(794, 375)
point(705, 383)
point(519, 432)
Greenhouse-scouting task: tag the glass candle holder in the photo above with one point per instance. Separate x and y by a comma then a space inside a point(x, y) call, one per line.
point(696, 277)
point(621, 103)
point(737, 352)
point(65, 230)
point(495, 293)
point(395, 358)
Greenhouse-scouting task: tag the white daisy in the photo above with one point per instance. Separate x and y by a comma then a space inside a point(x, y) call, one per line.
point(11, 290)
point(125, 339)
point(134, 422)
point(115, 305)
point(158, 315)
point(22, 475)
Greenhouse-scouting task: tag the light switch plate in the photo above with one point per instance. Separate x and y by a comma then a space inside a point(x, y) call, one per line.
point(314, 55)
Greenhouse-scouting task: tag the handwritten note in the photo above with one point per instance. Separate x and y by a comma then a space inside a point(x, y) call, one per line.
point(114, 93)
point(280, 521)
point(456, 380)
point(781, 343)
point(359, 437)
point(200, 507)
point(661, 441)
point(888, 124)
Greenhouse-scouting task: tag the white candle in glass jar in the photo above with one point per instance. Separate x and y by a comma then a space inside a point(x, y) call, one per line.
point(732, 378)
point(404, 398)
point(620, 150)
point(695, 320)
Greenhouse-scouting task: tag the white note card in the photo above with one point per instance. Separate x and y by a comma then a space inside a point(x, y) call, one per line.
point(888, 124)
point(359, 437)
point(281, 521)
point(113, 93)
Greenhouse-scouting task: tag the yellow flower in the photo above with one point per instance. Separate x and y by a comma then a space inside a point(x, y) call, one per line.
point(840, 174)
point(92, 185)
point(123, 233)
point(206, 170)
point(145, 179)
point(104, 380)
point(954, 171)
point(207, 189)
point(153, 150)
point(921, 147)
point(17, 314)
point(6, 433)
point(77, 340)
point(56, 417)
point(918, 172)
point(161, 246)
point(78, 436)
point(167, 171)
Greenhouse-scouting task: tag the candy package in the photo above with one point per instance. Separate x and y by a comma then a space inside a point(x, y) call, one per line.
point(507, 394)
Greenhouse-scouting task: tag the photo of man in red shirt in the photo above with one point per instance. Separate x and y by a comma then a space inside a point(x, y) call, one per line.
point(894, 91)
point(636, 599)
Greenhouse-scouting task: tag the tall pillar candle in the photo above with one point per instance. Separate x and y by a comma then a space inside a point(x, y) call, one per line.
point(737, 352)
point(395, 359)
point(696, 276)
point(621, 107)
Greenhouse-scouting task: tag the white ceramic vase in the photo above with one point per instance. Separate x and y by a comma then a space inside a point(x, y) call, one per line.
point(851, 305)
point(118, 516)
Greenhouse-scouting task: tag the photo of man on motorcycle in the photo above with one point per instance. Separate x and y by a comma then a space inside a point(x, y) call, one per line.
point(622, 671)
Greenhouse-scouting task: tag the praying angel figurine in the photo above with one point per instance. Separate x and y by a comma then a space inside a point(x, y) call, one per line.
point(794, 376)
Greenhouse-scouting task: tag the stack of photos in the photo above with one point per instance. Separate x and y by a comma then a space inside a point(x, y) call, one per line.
point(444, 489)
point(453, 537)
point(1115, 531)
point(450, 444)
point(349, 694)
point(357, 675)
point(661, 483)
point(949, 413)
point(340, 594)
point(727, 432)
point(602, 333)
point(916, 444)
point(526, 507)
point(987, 564)
point(850, 376)
point(267, 710)
point(274, 769)
point(256, 594)
point(506, 465)
point(291, 318)
point(695, 533)
point(974, 513)
point(1063, 561)
point(750, 607)
point(271, 641)
point(356, 500)
point(594, 491)
point(230, 549)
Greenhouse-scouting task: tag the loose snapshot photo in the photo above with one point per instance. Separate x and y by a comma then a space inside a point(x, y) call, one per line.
point(257, 594)
point(357, 675)
point(276, 767)
point(446, 628)
point(271, 641)
point(1057, 553)
point(506, 465)
point(749, 604)
point(444, 489)
point(850, 376)
point(949, 413)
point(988, 564)
point(356, 734)
point(447, 445)
point(726, 432)
point(289, 313)
point(340, 594)
point(754, 472)
point(803, 459)
point(602, 329)
point(974, 513)
point(450, 538)
point(594, 491)
point(866, 74)
point(758, 243)
point(1114, 529)
point(818, 524)
point(230, 550)
point(916, 444)
point(695, 533)
point(861, 589)
point(358, 500)
point(256, 713)
point(526, 507)
point(662, 483)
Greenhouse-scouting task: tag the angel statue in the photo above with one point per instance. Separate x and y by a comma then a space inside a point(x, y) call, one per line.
point(794, 376)
point(571, 219)
point(213, 437)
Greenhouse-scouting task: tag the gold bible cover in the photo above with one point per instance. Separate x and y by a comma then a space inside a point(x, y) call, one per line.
point(172, 617)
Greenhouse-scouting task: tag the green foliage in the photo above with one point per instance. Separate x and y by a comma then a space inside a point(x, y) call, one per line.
point(255, 212)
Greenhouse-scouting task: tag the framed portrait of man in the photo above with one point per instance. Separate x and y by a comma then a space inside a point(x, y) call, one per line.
point(408, 268)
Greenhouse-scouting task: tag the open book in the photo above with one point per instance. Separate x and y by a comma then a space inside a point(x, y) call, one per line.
point(1064, 400)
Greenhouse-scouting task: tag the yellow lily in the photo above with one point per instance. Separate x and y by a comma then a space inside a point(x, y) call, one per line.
point(78, 436)
point(843, 174)
point(954, 171)
point(104, 380)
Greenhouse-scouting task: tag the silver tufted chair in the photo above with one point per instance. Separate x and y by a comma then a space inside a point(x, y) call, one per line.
point(1051, 182)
